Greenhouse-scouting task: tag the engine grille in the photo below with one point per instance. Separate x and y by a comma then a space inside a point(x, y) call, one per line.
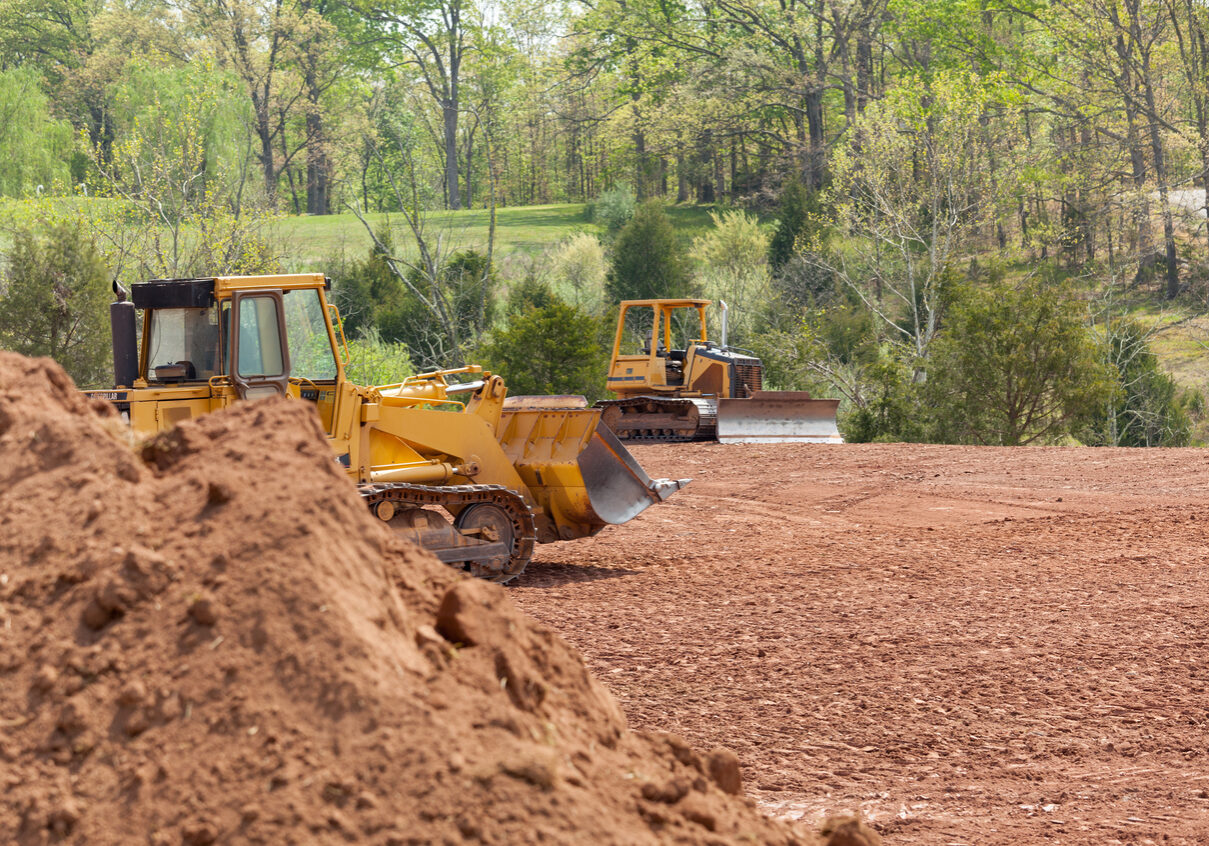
point(748, 378)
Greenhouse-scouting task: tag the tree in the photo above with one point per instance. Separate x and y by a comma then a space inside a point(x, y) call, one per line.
point(1015, 365)
point(363, 290)
point(54, 301)
point(177, 209)
point(648, 261)
point(431, 36)
point(262, 41)
point(465, 286)
point(448, 296)
point(799, 213)
point(732, 265)
point(547, 347)
point(914, 190)
point(1147, 409)
point(36, 148)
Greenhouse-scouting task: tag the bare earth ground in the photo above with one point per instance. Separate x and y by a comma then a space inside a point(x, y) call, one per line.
point(966, 645)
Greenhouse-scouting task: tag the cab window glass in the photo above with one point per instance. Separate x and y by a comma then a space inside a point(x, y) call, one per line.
point(311, 355)
point(183, 341)
point(259, 338)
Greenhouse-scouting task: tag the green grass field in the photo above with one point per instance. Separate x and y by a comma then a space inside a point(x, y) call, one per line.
point(309, 242)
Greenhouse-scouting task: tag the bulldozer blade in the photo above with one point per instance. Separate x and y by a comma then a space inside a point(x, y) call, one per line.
point(617, 486)
point(778, 417)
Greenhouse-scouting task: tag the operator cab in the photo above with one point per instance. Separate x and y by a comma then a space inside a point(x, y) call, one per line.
point(261, 336)
point(659, 323)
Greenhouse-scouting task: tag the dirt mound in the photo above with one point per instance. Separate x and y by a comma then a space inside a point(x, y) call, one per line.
point(212, 641)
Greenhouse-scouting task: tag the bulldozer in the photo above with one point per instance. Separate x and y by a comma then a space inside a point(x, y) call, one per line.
point(701, 391)
point(446, 458)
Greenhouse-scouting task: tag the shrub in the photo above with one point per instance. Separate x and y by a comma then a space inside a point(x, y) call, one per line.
point(614, 208)
point(1014, 365)
point(373, 361)
point(578, 265)
point(799, 218)
point(1147, 409)
point(54, 301)
point(547, 347)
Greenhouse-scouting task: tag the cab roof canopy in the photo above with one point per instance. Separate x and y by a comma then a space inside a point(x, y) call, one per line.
point(680, 303)
point(201, 292)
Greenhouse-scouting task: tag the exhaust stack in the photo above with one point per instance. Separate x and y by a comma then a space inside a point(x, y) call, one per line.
point(725, 311)
point(124, 338)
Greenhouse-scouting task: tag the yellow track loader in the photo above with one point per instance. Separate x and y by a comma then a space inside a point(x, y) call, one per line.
point(701, 391)
point(471, 474)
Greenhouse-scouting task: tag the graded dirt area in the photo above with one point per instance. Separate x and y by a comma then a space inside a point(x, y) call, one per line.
point(966, 645)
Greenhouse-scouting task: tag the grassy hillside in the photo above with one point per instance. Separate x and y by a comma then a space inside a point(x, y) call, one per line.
point(310, 241)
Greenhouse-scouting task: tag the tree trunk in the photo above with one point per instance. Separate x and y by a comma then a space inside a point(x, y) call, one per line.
point(265, 134)
point(640, 165)
point(449, 111)
point(864, 69)
point(1160, 172)
point(817, 150)
point(469, 167)
point(317, 178)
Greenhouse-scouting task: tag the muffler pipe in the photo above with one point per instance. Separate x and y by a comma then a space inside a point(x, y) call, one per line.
point(123, 335)
point(725, 310)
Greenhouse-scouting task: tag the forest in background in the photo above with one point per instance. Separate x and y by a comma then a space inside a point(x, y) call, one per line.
point(888, 177)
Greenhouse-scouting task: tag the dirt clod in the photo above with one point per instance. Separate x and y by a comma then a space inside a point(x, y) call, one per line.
point(204, 611)
point(723, 766)
point(849, 831)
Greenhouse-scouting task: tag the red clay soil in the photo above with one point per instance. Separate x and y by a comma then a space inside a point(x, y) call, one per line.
point(211, 641)
point(965, 645)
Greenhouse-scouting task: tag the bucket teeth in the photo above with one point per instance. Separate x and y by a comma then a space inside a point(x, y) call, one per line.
point(663, 488)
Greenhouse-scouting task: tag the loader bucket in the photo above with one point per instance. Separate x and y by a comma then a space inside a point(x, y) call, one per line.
point(618, 488)
point(778, 417)
point(576, 470)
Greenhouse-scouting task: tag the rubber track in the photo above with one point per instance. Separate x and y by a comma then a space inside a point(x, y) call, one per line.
point(706, 425)
point(524, 530)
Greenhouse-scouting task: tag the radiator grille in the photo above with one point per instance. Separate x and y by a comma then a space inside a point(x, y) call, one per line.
point(748, 377)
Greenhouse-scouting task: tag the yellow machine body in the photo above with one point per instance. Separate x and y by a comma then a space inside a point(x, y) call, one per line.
point(208, 343)
point(699, 390)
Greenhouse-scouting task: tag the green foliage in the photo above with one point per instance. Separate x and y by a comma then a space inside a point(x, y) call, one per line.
point(914, 190)
point(373, 361)
point(786, 355)
point(848, 331)
point(175, 182)
point(547, 347)
point(365, 288)
point(799, 224)
point(732, 265)
point(1147, 409)
point(1014, 365)
point(463, 294)
point(613, 209)
point(181, 129)
point(891, 409)
point(54, 299)
point(648, 261)
point(579, 270)
point(34, 148)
